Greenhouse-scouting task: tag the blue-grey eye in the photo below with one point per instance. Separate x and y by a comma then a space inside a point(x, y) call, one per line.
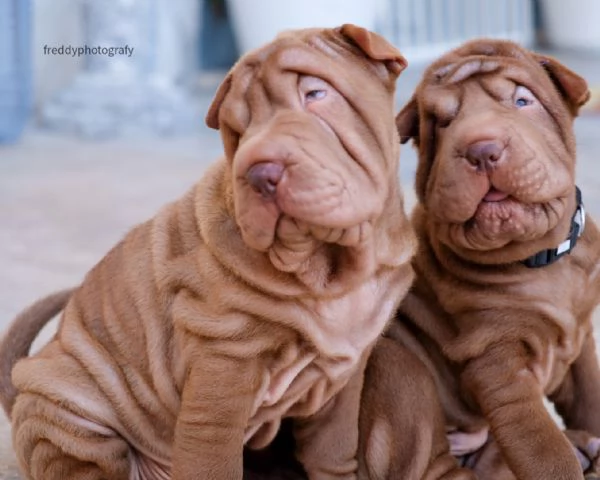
point(314, 95)
point(522, 102)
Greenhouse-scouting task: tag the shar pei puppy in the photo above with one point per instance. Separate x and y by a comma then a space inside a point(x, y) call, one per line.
point(508, 265)
point(401, 424)
point(255, 297)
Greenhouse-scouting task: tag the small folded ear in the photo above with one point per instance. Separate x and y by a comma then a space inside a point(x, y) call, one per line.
point(407, 122)
point(212, 117)
point(375, 47)
point(573, 88)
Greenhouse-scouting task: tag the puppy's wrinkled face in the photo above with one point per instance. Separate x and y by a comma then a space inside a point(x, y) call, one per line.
point(496, 149)
point(501, 171)
point(306, 126)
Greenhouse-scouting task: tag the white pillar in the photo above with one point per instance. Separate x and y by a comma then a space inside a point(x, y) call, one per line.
point(129, 93)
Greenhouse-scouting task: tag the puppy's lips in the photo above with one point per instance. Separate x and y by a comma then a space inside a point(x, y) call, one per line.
point(503, 207)
point(495, 195)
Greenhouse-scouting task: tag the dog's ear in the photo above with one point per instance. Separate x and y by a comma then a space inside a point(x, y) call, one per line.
point(407, 122)
point(212, 117)
point(375, 47)
point(573, 88)
point(410, 127)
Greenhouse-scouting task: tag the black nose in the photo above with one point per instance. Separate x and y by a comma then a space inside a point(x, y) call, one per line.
point(263, 177)
point(485, 154)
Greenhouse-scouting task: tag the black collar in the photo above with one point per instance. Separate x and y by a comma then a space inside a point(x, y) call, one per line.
point(546, 257)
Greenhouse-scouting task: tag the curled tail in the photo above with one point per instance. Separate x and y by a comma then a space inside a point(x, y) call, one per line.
point(19, 337)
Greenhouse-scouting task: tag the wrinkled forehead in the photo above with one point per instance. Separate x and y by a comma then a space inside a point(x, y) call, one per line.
point(491, 66)
point(322, 53)
point(457, 71)
point(269, 75)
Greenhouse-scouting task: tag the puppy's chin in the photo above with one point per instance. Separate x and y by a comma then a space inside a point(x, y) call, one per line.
point(506, 229)
point(296, 241)
point(265, 223)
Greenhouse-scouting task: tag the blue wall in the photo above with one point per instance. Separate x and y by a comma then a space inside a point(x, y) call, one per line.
point(217, 43)
point(15, 67)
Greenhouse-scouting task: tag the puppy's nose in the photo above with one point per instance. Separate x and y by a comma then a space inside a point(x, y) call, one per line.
point(263, 177)
point(485, 154)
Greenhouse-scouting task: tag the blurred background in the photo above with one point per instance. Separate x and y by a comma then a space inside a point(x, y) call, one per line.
point(181, 48)
point(92, 144)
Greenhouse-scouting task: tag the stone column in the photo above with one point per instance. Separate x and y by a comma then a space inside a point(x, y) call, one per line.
point(126, 93)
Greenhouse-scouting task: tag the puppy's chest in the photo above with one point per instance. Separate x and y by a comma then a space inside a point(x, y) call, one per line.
point(296, 384)
point(344, 327)
point(299, 382)
point(549, 316)
point(335, 337)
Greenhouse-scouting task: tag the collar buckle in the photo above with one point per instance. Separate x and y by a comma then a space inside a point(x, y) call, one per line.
point(546, 257)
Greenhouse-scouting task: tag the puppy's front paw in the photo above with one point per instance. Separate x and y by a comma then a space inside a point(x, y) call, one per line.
point(587, 450)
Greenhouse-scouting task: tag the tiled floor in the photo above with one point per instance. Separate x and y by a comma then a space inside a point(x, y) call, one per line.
point(64, 202)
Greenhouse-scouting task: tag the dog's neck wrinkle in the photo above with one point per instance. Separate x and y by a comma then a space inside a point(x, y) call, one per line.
point(316, 276)
point(389, 243)
point(320, 265)
point(313, 265)
point(319, 270)
point(222, 237)
point(471, 270)
point(510, 256)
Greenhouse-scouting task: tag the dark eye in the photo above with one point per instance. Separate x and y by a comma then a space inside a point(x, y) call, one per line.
point(522, 102)
point(315, 95)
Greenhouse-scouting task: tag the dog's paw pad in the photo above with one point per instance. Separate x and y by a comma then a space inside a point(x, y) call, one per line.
point(593, 447)
point(584, 461)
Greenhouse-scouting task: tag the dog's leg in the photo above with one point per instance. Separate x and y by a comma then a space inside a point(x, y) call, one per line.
point(53, 443)
point(577, 400)
point(510, 397)
point(217, 400)
point(402, 428)
point(327, 442)
point(488, 463)
point(587, 449)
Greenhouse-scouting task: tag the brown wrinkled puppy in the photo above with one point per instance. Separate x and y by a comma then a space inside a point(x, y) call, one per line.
point(496, 186)
point(256, 296)
point(401, 424)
